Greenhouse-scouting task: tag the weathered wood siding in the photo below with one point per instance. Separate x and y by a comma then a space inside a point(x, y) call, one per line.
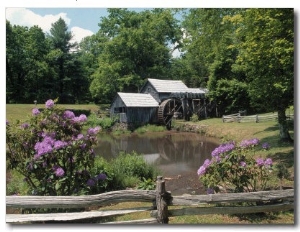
point(148, 88)
point(141, 115)
point(117, 103)
point(138, 115)
point(159, 97)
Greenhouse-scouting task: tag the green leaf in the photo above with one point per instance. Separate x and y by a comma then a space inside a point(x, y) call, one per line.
point(57, 185)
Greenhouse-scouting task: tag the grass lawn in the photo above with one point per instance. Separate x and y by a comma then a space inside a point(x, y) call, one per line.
point(264, 131)
point(22, 111)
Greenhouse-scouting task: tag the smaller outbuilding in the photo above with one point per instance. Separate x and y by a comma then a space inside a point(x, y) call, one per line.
point(134, 108)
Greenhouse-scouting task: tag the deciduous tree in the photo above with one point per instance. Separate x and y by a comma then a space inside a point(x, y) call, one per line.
point(138, 47)
point(267, 57)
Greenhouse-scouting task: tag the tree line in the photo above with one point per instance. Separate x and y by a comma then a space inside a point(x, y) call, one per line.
point(244, 57)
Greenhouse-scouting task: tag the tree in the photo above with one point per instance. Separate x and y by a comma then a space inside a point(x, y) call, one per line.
point(267, 57)
point(27, 68)
point(137, 47)
point(15, 62)
point(64, 61)
point(209, 52)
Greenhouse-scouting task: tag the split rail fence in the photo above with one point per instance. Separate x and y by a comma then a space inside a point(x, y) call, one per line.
point(238, 117)
point(163, 205)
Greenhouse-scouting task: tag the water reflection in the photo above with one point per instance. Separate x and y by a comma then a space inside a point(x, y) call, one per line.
point(173, 153)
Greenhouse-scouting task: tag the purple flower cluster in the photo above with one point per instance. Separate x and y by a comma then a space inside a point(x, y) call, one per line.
point(68, 114)
point(223, 148)
point(59, 144)
point(92, 181)
point(79, 137)
point(262, 162)
point(265, 146)
point(93, 131)
point(249, 143)
point(243, 164)
point(44, 147)
point(101, 176)
point(49, 104)
point(202, 169)
point(210, 191)
point(35, 111)
point(59, 172)
point(47, 145)
point(24, 126)
point(81, 118)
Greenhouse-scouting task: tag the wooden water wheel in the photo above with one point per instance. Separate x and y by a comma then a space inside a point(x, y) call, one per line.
point(167, 110)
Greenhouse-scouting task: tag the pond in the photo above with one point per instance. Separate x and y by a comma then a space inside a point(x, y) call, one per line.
point(178, 155)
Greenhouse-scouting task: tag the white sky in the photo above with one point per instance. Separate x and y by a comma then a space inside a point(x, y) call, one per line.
point(26, 17)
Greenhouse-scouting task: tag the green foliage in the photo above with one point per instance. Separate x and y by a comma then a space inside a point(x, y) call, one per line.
point(147, 184)
point(131, 168)
point(28, 74)
point(40, 66)
point(15, 184)
point(267, 55)
point(104, 122)
point(150, 128)
point(231, 96)
point(194, 118)
point(281, 171)
point(52, 154)
point(236, 167)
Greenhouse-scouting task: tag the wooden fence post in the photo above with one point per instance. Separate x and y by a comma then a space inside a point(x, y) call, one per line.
point(161, 201)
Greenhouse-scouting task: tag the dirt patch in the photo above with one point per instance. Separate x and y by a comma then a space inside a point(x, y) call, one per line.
point(187, 183)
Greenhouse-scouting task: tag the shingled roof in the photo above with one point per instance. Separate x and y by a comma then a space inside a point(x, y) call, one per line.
point(138, 100)
point(168, 86)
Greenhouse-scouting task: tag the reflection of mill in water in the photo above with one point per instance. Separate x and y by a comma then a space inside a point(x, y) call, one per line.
point(179, 154)
point(173, 153)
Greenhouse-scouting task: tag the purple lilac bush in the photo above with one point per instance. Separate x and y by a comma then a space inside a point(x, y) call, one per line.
point(235, 167)
point(52, 153)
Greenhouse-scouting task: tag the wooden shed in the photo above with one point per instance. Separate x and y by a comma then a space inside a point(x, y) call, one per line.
point(134, 108)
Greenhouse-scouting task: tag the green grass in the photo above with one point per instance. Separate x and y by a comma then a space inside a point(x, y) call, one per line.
point(23, 111)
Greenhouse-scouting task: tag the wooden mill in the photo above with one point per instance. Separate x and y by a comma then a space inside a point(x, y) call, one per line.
point(158, 102)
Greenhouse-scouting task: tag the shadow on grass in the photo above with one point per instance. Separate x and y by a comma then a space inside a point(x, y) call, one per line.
point(261, 217)
point(286, 158)
point(275, 142)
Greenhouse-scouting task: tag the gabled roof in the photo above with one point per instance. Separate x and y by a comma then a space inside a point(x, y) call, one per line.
point(138, 100)
point(168, 86)
point(196, 90)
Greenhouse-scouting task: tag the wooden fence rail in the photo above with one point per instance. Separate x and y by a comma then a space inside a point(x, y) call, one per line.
point(162, 205)
point(253, 118)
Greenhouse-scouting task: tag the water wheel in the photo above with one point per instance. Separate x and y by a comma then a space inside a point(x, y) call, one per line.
point(167, 110)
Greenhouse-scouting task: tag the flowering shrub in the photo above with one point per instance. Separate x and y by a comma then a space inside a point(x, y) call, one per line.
point(234, 166)
point(52, 153)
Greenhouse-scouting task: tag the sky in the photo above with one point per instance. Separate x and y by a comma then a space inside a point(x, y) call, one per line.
point(82, 18)
point(81, 22)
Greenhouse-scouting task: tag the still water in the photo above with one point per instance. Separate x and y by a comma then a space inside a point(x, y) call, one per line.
point(174, 153)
